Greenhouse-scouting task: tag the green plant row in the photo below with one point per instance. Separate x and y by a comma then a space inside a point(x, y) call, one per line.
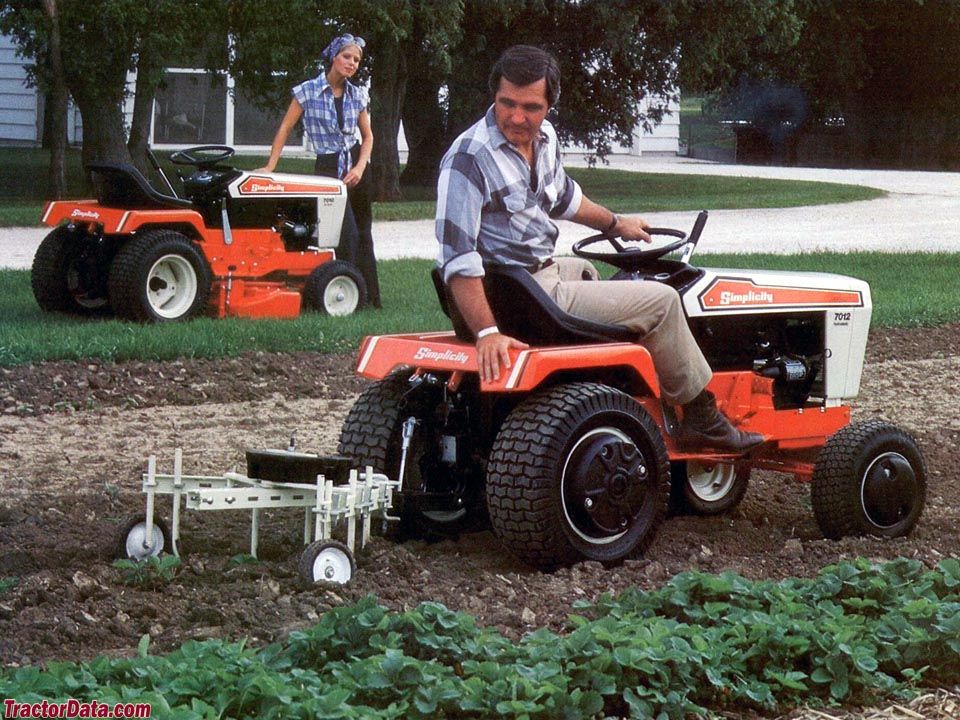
point(855, 633)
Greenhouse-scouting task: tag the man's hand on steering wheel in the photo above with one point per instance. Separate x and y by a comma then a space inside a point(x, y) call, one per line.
point(631, 228)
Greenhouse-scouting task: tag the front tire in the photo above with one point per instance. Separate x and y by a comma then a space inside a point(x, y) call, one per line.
point(707, 488)
point(68, 274)
point(870, 479)
point(335, 288)
point(159, 276)
point(579, 471)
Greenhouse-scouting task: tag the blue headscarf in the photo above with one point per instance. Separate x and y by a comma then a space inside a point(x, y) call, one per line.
point(339, 43)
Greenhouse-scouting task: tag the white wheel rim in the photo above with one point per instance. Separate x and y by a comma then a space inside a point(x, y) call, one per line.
point(570, 523)
point(171, 286)
point(138, 547)
point(710, 482)
point(332, 565)
point(341, 296)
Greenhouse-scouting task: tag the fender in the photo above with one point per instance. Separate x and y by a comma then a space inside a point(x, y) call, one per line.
point(382, 354)
point(117, 221)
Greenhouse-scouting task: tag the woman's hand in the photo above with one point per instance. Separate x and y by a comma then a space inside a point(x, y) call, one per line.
point(352, 178)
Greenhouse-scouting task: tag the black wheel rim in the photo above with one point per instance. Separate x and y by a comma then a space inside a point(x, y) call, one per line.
point(604, 485)
point(888, 490)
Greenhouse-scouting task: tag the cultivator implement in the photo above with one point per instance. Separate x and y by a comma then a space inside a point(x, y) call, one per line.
point(337, 496)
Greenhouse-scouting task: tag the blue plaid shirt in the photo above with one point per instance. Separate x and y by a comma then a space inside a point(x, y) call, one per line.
point(324, 135)
point(488, 210)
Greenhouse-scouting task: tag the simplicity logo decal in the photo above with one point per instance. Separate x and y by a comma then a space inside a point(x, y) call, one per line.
point(737, 293)
point(425, 353)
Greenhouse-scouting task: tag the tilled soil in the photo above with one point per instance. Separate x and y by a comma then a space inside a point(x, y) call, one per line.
point(74, 438)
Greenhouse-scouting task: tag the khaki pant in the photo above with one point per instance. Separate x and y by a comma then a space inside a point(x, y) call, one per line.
point(652, 309)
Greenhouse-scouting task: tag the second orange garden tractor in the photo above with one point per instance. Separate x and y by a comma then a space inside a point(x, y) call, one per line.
point(238, 243)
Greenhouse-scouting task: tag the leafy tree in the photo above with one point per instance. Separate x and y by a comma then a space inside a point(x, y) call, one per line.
point(887, 70)
point(99, 42)
point(614, 54)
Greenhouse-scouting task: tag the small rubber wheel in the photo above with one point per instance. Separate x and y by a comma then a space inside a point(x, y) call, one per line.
point(133, 542)
point(327, 561)
point(335, 288)
point(870, 479)
point(707, 488)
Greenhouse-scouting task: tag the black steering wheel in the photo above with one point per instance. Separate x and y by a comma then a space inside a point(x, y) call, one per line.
point(629, 259)
point(212, 154)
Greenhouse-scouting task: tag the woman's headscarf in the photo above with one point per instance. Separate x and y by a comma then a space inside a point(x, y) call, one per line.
point(339, 43)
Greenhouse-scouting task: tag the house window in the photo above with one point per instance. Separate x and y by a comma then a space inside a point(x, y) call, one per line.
point(190, 109)
point(253, 126)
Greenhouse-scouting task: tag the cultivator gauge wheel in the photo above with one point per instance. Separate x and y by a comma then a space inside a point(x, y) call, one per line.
point(327, 561)
point(136, 543)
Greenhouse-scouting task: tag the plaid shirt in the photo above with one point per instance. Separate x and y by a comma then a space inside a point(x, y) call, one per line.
point(324, 135)
point(487, 209)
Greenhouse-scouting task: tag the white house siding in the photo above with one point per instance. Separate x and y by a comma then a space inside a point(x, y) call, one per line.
point(19, 105)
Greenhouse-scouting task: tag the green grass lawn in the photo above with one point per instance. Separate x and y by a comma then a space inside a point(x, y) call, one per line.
point(908, 290)
point(23, 174)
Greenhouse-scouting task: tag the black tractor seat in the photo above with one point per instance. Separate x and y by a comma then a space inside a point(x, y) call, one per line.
point(121, 185)
point(524, 310)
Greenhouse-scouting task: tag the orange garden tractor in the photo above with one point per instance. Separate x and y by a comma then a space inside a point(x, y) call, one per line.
point(571, 455)
point(238, 243)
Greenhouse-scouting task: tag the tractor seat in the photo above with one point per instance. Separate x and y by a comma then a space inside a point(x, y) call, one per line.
point(524, 310)
point(123, 186)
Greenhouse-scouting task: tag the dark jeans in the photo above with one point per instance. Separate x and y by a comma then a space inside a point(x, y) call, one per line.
point(356, 239)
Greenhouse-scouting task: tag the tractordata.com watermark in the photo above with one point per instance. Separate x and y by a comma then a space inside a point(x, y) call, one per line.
point(74, 709)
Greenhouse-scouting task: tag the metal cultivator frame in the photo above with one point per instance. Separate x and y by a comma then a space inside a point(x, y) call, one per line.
point(365, 495)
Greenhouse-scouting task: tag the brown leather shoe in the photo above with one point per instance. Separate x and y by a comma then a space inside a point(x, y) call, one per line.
point(705, 427)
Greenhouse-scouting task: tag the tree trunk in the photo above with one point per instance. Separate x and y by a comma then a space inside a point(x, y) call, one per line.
point(104, 139)
point(146, 90)
point(423, 126)
point(387, 90)
point(56, 109)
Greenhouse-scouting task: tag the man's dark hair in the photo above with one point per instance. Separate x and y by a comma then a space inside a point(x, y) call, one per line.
point(524, 65)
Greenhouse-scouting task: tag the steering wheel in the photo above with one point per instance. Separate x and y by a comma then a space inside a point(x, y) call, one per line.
point(627, 258)
point(190, 156)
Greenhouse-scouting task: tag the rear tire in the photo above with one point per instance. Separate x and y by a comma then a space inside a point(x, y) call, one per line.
point(335, 288)
point(577, 472)
point(68, 275)
point(372, 435)
point(159, 276)
point(870, 479)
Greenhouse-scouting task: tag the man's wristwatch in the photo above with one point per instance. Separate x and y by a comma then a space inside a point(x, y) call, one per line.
point(613, 224)
point(487, 331)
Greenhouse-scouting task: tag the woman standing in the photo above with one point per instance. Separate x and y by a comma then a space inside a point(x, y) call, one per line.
point(333, 109)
